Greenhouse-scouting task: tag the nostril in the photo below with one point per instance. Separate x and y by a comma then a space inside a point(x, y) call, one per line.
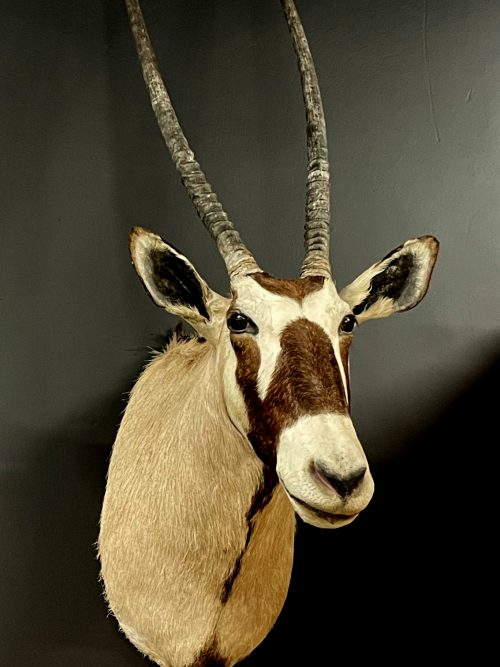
point(343, 485)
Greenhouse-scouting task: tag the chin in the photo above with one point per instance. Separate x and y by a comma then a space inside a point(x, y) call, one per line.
point(320, 518)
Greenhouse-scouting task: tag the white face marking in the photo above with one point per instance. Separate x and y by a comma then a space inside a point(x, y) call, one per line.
point(273, 312)
point(328, 441)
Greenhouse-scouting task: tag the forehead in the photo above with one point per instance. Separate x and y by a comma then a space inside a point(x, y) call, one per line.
point(278, 301)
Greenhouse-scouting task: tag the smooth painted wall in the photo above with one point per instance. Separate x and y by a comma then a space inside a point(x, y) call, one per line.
point(411, 91)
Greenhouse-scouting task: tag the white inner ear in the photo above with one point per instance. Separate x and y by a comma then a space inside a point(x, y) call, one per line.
point(357, 291)
point(142, 244)
point(383, 307)
point(418, 279)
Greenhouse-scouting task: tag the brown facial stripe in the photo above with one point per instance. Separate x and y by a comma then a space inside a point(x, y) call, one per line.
point(247, 369)
point(295, 289)
point(307, 378)
point(262, 431)
point(248, 356)
point(306, 381)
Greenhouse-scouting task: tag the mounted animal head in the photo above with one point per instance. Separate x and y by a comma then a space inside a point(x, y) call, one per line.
point(282, 345)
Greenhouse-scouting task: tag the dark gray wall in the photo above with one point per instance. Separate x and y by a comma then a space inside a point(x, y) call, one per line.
point(411, 92)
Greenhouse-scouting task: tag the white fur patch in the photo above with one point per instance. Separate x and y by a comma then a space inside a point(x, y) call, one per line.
point(330, 441)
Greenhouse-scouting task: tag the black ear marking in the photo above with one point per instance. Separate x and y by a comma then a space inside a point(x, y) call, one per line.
point(395, 284)
point(176, 281)
point(169, 278)
point(389, 283)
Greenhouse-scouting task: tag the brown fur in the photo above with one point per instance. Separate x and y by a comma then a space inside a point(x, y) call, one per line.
point(295, 289)
point(307, 374)
point(306, 380)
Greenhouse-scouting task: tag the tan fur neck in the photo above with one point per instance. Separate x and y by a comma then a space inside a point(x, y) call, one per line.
point(174, 521)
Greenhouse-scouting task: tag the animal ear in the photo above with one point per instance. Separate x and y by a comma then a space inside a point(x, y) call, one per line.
point(396, 283)
point(170, 278)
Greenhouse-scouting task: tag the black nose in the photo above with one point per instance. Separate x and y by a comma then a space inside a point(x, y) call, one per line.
point(344, 486)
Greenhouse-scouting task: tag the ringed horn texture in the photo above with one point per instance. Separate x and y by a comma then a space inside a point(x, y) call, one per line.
point(237, 257)
point(317, 227)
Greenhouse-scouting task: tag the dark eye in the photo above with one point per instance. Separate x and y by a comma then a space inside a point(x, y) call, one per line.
point(347, 325)
point(239, 323)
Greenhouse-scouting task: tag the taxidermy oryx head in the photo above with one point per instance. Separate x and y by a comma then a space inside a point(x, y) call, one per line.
point(225, 435)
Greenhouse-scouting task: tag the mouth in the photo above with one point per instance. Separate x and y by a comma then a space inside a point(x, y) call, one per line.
point(334, 519)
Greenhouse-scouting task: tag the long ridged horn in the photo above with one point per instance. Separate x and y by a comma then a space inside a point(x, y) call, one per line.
point(237, 257)
point(317, 227)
